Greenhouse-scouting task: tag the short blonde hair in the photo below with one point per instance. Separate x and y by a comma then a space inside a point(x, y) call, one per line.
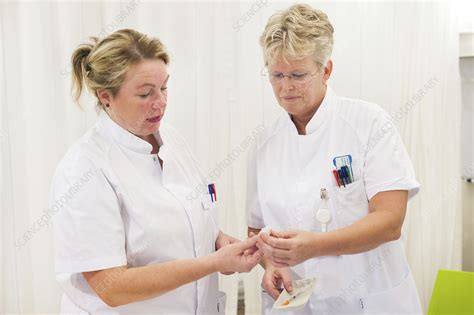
point(296, 33)
point(103, 63)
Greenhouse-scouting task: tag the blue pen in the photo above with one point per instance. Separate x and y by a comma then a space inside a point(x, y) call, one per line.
point(347, 173)
point(341, 176)
point(209, 189)
point(346, 176)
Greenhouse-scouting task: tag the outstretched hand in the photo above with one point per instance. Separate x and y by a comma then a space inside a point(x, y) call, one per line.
point(287, 248)
point(238, 257)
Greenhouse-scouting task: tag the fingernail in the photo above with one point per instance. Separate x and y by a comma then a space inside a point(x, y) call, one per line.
point(290, 288)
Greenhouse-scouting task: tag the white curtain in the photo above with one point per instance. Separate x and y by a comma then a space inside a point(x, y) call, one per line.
point(402, 56)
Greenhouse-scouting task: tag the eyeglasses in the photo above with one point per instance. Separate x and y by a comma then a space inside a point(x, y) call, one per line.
point(297, 77)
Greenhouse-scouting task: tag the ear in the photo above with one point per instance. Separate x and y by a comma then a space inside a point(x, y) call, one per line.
point(327, 70)
point(104, 96)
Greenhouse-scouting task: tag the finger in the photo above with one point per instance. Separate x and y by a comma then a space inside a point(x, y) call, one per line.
point(246, 244)
point(226, 273)
point(283, 254)
point(273, 253)
point(250, 251)
point(234, 240)
point(283, 234)
point(266, 249)
point(273, 291)
point(255, 257)
point(281, 243)
point(287, 280)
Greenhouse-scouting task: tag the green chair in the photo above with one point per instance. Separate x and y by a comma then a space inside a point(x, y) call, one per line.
point(453, 293)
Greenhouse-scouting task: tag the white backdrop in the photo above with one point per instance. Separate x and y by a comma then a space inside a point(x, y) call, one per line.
point(401, 55)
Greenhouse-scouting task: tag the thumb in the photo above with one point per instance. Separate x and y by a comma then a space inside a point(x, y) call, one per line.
point(247, 244)
point(287, 281)
point(283, 234)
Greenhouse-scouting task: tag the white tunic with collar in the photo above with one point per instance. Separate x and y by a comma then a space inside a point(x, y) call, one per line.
point(119, 207)
point(286, 173)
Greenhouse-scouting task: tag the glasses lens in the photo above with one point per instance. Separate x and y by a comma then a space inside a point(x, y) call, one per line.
point(275, 77)
point(299, 76)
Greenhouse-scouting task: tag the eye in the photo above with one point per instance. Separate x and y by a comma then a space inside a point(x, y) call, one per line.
point(164, 88)
point(277, 75)
point(146, 95)
point(298, 76)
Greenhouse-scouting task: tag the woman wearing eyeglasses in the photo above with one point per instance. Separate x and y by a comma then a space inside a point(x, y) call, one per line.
point(332, 179)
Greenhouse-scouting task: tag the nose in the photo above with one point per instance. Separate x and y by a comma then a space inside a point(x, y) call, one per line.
point(160, 101)
point(287, 84)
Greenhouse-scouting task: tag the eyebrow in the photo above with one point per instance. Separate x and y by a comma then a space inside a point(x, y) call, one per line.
point(151, 84)
point(145, 84)
point(296, 70)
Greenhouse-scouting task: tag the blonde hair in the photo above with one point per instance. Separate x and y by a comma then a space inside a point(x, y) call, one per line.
point(103, 63)
point(296, 33)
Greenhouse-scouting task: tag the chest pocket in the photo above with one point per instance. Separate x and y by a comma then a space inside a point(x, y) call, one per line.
point(350, 202)
point(209, 213)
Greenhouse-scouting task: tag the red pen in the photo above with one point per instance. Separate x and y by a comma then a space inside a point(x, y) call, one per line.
point(214, 191)
point(336, 175)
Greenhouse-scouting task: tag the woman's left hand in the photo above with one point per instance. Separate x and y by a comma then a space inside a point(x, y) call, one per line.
point(287, 248)
point(224, 240)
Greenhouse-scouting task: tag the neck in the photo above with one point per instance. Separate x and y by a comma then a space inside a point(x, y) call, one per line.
point(152, 140)
point(301, 121)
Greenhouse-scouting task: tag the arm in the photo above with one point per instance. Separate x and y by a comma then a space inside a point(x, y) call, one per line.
point(122, 285)
point(382, 224)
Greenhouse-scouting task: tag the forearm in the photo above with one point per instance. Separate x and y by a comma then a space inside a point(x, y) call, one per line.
point(366, 234)
point(126, 285)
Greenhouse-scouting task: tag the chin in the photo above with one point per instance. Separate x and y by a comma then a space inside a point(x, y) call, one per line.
point(290, 109)
point(153, 129)
point(156, 128)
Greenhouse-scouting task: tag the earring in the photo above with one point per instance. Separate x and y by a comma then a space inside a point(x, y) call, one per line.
point(107, 105)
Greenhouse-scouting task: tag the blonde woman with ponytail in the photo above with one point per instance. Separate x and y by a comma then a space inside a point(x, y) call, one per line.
point(129, 238)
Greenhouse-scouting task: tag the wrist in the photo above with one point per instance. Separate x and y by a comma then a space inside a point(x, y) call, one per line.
point(316, 244)
point(211, 261)
point(266, 264)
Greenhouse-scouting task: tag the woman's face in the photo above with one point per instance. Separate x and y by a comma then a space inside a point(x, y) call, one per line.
point(299, 85)
point(140, 102)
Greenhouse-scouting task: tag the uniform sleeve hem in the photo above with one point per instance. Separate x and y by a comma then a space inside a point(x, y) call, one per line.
point(412, 186)
point(90, 264)
point(255, 224)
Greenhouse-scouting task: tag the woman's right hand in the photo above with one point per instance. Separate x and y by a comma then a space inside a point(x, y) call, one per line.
point(238, 257)
point(274, 278)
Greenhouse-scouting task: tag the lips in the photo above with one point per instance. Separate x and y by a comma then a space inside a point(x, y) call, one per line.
point(154, 119)
point(290, 98)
